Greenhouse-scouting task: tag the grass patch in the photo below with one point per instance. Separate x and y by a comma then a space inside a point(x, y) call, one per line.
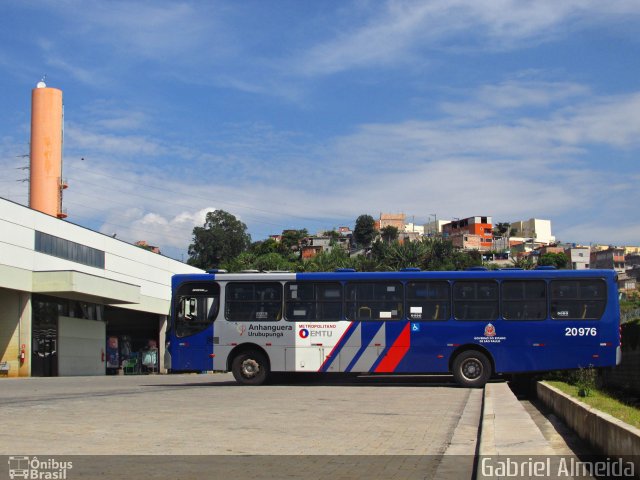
point(603, 401)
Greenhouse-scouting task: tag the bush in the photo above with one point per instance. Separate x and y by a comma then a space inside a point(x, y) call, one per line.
point(631, 335)
point(585, 380)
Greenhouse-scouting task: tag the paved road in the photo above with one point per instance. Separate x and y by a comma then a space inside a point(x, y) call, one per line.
point(383, 418)
point(210, 414)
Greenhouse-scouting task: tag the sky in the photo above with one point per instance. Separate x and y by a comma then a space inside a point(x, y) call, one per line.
point(307, 114)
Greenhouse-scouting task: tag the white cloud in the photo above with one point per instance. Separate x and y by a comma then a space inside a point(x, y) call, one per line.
point(612, 121)
point(158, 30)
point(166, 231)
point(563, 133)
point(400, 29)
point(124, 120)
point(603, 231)
point(516, 94)
point(85, 140)
point(92, 76)
point(508, 167)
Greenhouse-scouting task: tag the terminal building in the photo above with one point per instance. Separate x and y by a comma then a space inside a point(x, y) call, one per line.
point(74, 301)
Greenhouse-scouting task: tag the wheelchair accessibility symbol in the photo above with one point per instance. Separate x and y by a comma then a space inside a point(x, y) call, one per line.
point(415, 327)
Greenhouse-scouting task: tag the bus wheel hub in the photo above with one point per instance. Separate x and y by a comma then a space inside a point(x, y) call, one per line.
point(250, 368)
point(472, 369)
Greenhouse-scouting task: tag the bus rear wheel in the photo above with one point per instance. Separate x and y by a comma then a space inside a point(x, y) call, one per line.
point(250, 368)
point(472, 369)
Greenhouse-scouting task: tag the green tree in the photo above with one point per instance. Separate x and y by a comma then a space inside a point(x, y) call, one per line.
point(327, 261)
point(365, 230)
point(405, 255)
point(389, 233)
point(333, 235)
point(558, 260)
point(428, 254)
point(501, 229)
point(244, 261)
point(364, 263)
point(263, 247)
point(222, 238)
point(273, 261)
point(442, 255)
point(291, 239)
point(526, 263)
point(265, 262)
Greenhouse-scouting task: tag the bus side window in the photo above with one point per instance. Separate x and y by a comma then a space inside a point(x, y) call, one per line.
point(313, 301)
point(475, 300)
point(253, 301)
point(375, 300)
point(428, 300)
point(524, 300)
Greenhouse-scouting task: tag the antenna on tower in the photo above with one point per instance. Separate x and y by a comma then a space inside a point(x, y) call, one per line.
point(26, 167)
point(41, 83)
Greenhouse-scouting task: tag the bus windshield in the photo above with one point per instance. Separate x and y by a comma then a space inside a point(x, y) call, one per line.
point(196, 310)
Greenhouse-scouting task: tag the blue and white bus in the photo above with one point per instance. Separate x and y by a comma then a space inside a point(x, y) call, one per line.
point(473, 324)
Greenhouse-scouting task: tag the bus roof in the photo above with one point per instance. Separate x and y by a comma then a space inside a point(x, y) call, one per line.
point(400, 275)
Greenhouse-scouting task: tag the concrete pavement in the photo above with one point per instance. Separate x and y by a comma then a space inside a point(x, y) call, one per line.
point(374, 427)
point(507, 428)
point(207, 426)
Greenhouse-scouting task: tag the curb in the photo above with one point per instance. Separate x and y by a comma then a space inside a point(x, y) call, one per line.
point(458, 460)
point(507, 428)
point(508, 433)
point(603, 432)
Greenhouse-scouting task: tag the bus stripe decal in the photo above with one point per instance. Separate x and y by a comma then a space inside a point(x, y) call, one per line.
point(350, 347)
point(397, 352)
point(363, 362)
point(334, 351)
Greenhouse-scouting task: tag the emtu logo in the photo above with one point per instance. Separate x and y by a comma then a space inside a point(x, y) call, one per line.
point(304, 333)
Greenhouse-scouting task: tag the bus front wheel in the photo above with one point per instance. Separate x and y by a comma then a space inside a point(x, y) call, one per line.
point(472, 369)
point(250, 368)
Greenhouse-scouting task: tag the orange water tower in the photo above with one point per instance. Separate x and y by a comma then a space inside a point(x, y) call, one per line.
point(45, 184)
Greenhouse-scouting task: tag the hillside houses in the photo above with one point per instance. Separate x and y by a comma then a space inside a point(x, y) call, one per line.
point(501, 244)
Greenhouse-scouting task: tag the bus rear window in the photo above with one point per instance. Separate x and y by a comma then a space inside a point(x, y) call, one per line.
point(578, 299)
point(308, 301)
point(253, 301)
point(475, 300)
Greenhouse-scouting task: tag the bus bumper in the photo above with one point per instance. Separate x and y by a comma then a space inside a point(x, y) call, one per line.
point(618, 355)
point(167, 360)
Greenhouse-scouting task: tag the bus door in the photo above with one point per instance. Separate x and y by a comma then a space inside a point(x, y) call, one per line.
point(196, 308)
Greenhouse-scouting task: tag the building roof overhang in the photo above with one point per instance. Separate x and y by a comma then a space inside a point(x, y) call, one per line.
point(84, 287)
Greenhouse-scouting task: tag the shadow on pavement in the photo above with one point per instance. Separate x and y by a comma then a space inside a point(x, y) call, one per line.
point(332, 380)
